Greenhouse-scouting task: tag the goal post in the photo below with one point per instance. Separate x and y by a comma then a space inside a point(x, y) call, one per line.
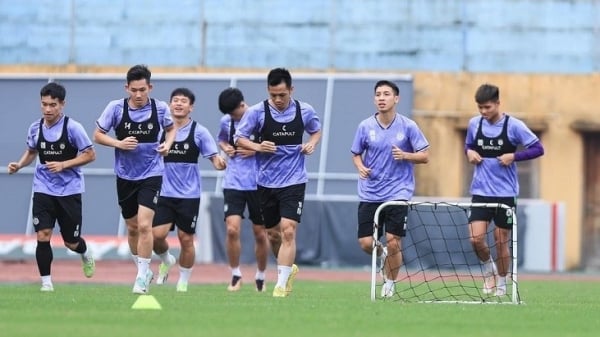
point(439, 264)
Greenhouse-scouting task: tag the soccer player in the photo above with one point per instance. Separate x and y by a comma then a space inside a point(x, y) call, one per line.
point(491, 145)
point(62, 146)
point(179, 199)
point(240, 191)
point(281, 122)
point(137, 121)
point(385, 149)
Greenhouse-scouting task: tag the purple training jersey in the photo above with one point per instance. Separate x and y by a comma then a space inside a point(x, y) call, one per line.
point(240, 173)
point(144, 161)
point(69, 181)
point(389, 179)
point(490, 177)
point(286, 166)
point(182, 179)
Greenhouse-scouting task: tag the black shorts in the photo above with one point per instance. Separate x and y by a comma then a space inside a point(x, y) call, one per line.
point(49, 209)
point(502, 217)
point(181, 213)
point(392, 219)
point(286, 202)
point(133, 193)
point(235, 201)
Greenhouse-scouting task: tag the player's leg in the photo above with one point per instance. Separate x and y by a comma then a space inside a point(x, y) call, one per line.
point(366, 213)
point(291, 203)
point(162, 224)
point(70, 222)
point(127, 192)
point(235, 203)
point(395, 218)
point(187, 256)
point(270, 209)
point(147, 199)
point(187, 215)
point(502, 235)
point(43, 224)
point(261, 242)
point(479, 220)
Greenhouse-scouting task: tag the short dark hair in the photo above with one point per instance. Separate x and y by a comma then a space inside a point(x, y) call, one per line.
point(230, 99)
point(138, 72)
point(278, 75)
point(487, 93)
point(54, 90)
point(389, 84)
point(184, 92)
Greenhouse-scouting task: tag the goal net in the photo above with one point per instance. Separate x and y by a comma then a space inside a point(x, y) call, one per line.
point(439, 263)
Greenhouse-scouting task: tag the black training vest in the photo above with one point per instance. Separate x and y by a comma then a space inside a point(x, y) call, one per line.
point(492, 147)
point(145, 132)
point(59, 150)
point(232, 133)
point(289, 133)
point(185, 151)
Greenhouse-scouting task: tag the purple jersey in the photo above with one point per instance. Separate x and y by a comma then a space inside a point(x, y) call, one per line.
point(182, 180)
point(69, 181)
point(490, 177)
point(389, 179)
point(286, 166)
point(240, 173)
point(144, 161)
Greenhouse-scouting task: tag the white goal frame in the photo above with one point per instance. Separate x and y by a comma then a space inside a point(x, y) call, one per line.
point(374, 271)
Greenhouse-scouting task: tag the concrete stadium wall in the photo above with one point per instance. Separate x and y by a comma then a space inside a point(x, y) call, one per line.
point(437, 35)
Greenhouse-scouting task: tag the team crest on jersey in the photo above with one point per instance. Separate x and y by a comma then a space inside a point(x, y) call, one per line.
point(186, 146)
point(399, 136)
point(372, 135)
point(500, 142)
point(150, 126)
point(62, 146)
point(35, 221)
point(252, 137)
point(479, 142)
point(43, 145)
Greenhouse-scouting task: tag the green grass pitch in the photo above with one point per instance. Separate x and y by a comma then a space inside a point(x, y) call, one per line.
point(551, 308)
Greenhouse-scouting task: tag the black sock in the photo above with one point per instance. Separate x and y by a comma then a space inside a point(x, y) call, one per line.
point(81, 247)
point(43, 256)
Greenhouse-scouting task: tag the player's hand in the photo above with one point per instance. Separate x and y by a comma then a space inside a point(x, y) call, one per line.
point(163, 149)
point(219, 163)
point(55, 166)
point(13, 167)
point(397, 153)
point(268, 147)
point(244, 153)
point(473, 157)
point(307, 148)
point(229, 150)
point(128, 144)
point(364, 172)
point(506, 159)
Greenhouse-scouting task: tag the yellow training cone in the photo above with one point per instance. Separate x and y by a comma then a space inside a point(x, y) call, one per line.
point(146, 302)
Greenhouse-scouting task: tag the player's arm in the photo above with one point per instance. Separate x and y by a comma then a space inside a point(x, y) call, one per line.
point(420, 157)
point(264, 146)
point(533, 151)
point(86, 156)
point(310, 146)
point(227, 148)
point(218, 162)
point(101, 137)
point(170, 133)
point(27, 158)
point(363, 171)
